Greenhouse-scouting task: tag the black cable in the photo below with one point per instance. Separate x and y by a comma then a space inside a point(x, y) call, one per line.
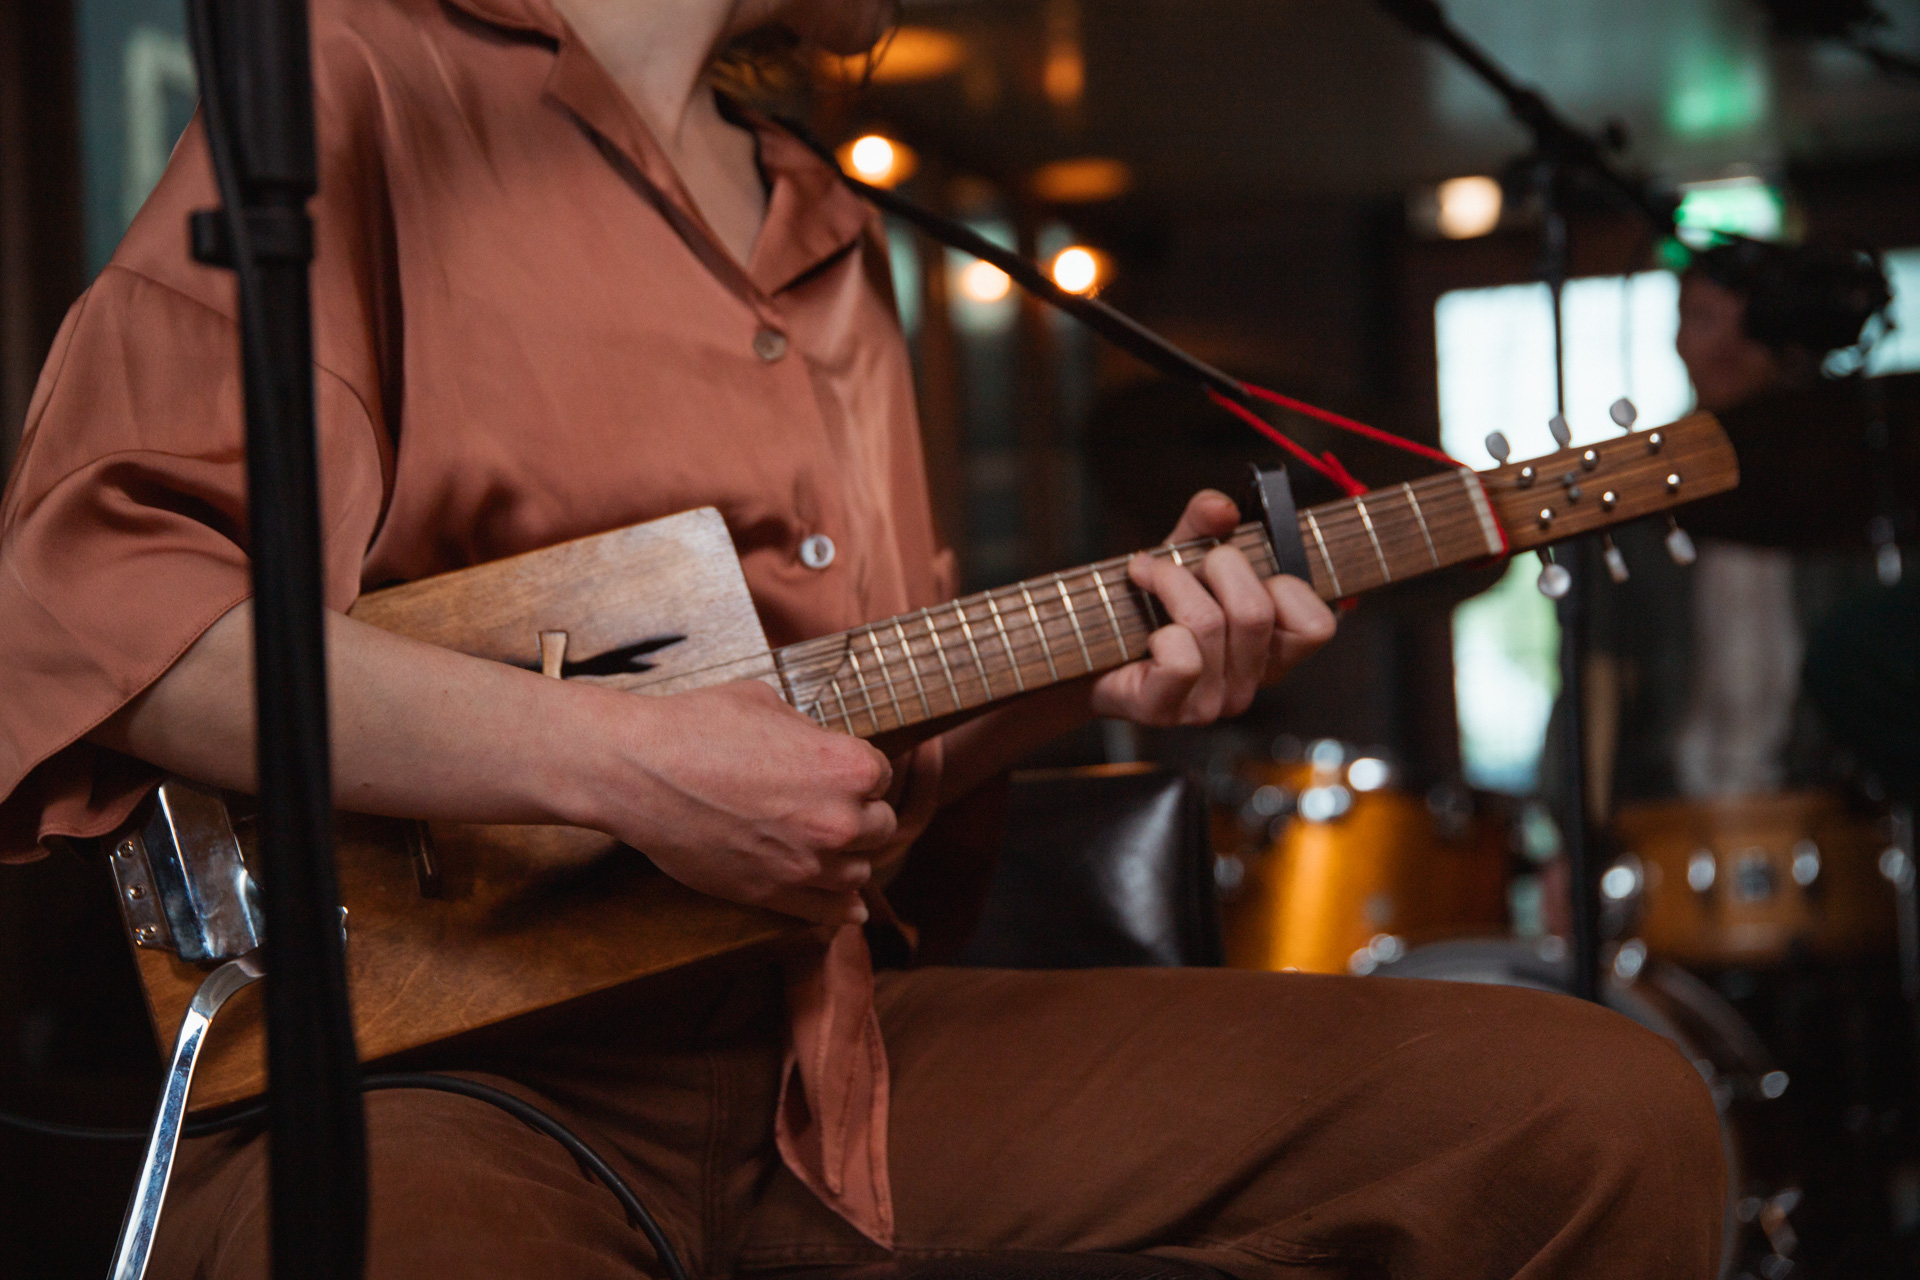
point(523, 1111)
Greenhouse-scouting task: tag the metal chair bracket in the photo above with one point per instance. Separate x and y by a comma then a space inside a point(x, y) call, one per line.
point(150, 1192)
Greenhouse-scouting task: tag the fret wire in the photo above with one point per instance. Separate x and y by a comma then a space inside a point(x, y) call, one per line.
point(913, 668)
point(1155, 619)
point(880, 656)
point(865, 693)
point(1458, 516)
point(1046, 647)
point(1325, 559)
point(1414, 502)
point(967, 628)
point(941, 651)
point(1073, 616)
point(1000, 625)
point(1367, 519)
point(1331, 536)
point(1100, 581)
point(841, 698)
point(1482, 509)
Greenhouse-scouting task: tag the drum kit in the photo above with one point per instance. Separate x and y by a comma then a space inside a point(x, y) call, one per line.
point(1325, 865)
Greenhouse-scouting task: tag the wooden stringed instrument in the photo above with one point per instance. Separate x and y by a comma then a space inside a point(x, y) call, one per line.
point(475, 925)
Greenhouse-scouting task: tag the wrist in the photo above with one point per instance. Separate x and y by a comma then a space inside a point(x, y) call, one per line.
point(574, 774)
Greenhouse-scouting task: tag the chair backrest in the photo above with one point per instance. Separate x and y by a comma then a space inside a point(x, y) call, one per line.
point(1102, 866)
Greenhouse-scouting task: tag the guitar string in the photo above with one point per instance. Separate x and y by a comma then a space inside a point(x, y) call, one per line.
point(829, 652)
point(1018, 658)
point(1341, 536)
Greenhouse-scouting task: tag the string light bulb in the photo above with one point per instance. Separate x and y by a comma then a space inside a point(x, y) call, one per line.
point(877, 159)
point(1076, 269)
point(984, 282)
point(1468, 207)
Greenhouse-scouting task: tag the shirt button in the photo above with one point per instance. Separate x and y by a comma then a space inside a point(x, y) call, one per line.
point(769, 344)
point(816, 551)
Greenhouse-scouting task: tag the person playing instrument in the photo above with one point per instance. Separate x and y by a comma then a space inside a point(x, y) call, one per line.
point(562, 286)
point(1758, 324)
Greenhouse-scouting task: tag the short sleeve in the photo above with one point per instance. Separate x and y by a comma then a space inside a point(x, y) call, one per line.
point(123, 534)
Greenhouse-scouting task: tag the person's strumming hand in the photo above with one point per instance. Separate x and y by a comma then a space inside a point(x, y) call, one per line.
point(1229, 633)
point(734, 793)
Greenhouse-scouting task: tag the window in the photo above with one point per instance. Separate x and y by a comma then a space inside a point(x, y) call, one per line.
point(1899, 351)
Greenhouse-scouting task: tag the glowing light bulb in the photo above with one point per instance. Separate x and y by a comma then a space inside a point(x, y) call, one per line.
point(1076, 270)
point(984, 282)
point(872, 157)
point(1469, 207)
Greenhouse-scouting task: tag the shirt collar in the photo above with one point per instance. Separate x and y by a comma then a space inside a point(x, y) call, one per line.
point(811, 217)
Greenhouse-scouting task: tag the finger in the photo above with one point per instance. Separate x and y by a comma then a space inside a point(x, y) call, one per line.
point(1167, 685)
point(1249, 612)
point(878, 823)
point(821, 906)
point(883, 772)
point(1195, 609)
point(840, 872)
point(1209, 514)
point(1302, 623)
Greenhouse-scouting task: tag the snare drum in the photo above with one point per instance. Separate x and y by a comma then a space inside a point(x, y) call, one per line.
point(1357, 871)
point(1750, 880)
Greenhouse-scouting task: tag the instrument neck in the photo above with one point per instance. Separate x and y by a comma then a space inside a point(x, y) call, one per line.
point(958, 657)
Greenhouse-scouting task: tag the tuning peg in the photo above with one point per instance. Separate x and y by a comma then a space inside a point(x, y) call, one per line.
point(1616, 563)
point(1497, 445)
point(1562, 433)
point(1680, 544)
point(1554, 580)
point(1623, 413)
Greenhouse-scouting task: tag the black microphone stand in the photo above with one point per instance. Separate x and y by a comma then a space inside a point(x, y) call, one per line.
point(257, 109)
point(1561, 151)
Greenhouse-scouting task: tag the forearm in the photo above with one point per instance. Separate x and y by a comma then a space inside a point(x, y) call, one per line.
point(982, 747)
point(417, 731)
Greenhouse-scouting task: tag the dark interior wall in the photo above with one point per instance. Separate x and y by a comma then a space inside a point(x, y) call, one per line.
point(74, 1043)
point(41, 250)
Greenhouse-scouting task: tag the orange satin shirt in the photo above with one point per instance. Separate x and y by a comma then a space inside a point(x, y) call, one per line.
point(523, 332)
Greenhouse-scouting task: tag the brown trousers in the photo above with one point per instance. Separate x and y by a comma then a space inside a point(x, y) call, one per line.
point(1267, 1125)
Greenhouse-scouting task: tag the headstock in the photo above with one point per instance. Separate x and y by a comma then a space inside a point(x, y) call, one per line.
point(1641, 473)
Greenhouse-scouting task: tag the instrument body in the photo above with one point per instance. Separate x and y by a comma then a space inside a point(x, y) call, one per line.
point(465, 927)
point(1751, 880)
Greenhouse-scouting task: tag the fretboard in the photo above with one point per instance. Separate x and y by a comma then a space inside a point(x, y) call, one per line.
point(960, 656)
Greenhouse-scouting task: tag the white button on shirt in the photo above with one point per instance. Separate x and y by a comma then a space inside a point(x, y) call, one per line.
point(816, 551)
point(769, 344)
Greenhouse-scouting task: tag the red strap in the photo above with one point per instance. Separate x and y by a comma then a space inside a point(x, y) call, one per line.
point(1348, 424)
point(1327, 465)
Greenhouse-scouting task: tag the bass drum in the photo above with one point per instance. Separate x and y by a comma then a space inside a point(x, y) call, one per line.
point(1758, 1239)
